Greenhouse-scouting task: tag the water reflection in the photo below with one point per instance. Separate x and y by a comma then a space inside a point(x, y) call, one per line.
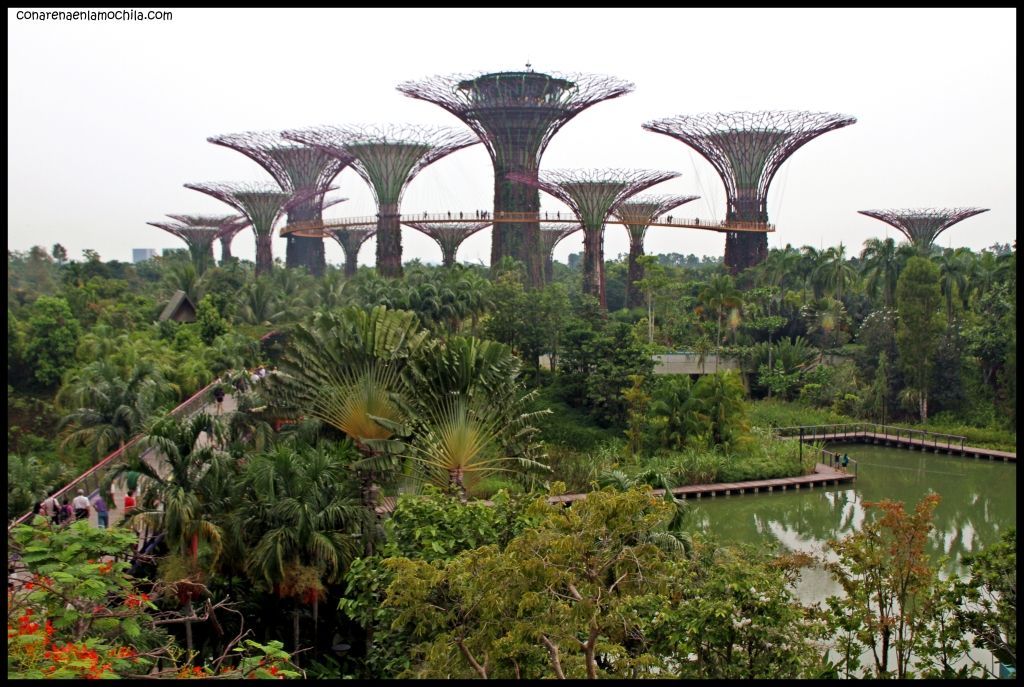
point(979, 500)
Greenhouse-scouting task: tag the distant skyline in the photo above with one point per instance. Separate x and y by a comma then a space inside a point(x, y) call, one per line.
point(108, 120)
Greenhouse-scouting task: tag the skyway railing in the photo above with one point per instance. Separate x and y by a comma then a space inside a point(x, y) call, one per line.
point(873, 430)
point(92, 479)
point(319, 227)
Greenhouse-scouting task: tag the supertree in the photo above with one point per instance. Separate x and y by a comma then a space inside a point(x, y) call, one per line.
point(516, 114)
point(351, 239)
point(638, 214)
point(199, 240)
point(593, 194)
point(448, 236)
point(922, 225)
point(388, 157)
point(262, 204)
point(296, 169)
point(229, 225)
point(747, 149)
point(550, 236)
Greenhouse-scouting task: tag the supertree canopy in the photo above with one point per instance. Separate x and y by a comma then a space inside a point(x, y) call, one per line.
point(747, 149)
point(199, 240)
point(922, 225)
point(262, 204)
point(388, 157)
point(593, 195)
point(550, 236)
point(638, 214)
point(449, 236)
point(296, 169)
point(229, 225)
point(351, 239)
point(516, 114)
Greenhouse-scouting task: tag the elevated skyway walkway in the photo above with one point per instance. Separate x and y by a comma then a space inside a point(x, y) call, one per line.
point(320, 228)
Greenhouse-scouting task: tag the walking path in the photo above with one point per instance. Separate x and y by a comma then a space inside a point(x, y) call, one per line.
point(904, 441)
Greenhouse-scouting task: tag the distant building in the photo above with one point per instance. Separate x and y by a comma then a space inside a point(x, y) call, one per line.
point(143, 254)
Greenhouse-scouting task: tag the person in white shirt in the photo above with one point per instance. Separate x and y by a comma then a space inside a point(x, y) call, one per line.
point(81, 505)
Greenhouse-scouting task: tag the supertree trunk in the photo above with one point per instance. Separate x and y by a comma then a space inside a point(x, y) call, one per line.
point(448, 256)
point(635, 273)
point(743, 250)
point(351, 263)
point(225, 249)
point(389, 242)
point(264, 254)
point(593, 264)
point(303, 251)
point(520, 240)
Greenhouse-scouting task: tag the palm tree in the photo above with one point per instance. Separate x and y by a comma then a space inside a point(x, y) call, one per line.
point(345, 369)
point(260, 301)
point(301, 521)
point(107, 406)
point(954, 273)
point(718, 399)
point(469, 412)
point(881, 265)
point(827, 319)
point(719, 295)
point(833, 272)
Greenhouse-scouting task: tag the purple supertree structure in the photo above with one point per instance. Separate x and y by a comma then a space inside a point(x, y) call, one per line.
point(593, 194)
point(550, 236)
point(199, 240)
point(388, 157)
point(747, 149)
point(351, 239)
point(229, 225)
point(296, 169)
point(448, 236)
point(922, 225)
point(638, 214)
point(262, 205)
point(516, 114)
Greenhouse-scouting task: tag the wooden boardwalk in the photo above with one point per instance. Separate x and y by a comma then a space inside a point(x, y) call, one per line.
point(903, 441)
point(822, 476)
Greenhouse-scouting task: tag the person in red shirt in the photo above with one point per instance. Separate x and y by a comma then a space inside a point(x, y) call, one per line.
point(129, 502)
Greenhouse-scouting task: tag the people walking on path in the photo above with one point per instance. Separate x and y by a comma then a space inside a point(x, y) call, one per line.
point(51, 509)
point(81, 505)
point(218, 396)
point(99, 504)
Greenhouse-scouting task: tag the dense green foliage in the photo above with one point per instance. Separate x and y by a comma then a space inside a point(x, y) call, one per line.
point(402, 393)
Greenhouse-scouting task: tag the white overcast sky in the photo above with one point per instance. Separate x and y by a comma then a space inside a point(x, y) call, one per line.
point(107, 120)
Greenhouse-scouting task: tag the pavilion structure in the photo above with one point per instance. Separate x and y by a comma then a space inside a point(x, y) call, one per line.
point(593, 195)
point(921, 226)
point(747, 149)
point(516, 114)
point(298, 170)
point(637, 214)
point(388, 158)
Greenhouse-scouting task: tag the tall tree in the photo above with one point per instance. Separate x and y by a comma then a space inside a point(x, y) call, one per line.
point(918, 299)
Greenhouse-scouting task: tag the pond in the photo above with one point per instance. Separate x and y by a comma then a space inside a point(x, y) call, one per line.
point(979, 501)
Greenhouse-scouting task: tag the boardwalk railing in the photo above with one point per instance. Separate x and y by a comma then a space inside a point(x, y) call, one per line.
point(92, 479)
point(872, 430)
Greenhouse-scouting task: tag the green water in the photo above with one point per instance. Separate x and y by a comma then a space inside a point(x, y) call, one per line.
point(979, 501)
